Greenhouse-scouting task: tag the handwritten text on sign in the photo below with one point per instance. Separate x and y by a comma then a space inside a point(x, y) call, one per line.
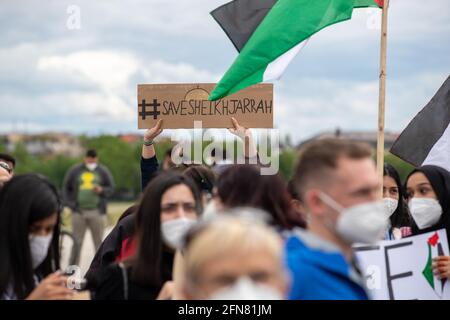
point(179, 105)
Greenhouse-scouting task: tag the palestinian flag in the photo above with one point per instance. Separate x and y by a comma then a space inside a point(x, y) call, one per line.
point(426, 139)
point(271, 33)
point(434, 250)
point(240, 18)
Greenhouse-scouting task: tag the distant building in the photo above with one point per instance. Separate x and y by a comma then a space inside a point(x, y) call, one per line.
point(131, 138)
point(369, 137)
point(45, 144)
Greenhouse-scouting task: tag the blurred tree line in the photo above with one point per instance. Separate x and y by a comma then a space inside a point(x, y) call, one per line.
point(123, 160)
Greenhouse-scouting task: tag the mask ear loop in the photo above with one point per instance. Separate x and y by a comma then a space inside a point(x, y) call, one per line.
point(331, 202)
point(333, 205)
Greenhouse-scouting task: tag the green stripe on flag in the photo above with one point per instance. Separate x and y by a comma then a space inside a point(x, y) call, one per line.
point(428, 270)
point(288, 23)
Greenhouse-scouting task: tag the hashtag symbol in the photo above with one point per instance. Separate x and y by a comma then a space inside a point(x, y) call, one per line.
point(155, 113)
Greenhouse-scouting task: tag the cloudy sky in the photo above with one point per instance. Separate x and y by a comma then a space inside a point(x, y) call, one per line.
point(57, 77)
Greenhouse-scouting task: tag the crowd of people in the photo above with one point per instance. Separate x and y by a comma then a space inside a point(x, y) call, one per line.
point(220, 232)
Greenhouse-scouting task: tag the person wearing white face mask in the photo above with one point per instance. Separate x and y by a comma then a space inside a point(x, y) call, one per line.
point(86, 189)
point(338, 185)
point(400, 221)
point(231, 257)
point(428, 190)
point(120, 242)
point(170, 205)
point(29, 241)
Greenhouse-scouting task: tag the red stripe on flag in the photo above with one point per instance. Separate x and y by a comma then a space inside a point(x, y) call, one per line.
point(379, 2)
point(433, 240)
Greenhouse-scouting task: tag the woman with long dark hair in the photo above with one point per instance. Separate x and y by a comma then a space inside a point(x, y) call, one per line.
point(29, 240)
point(169, 206)
point(394, 200)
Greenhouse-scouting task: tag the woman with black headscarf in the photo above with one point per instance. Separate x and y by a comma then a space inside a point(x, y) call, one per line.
point(428, 190)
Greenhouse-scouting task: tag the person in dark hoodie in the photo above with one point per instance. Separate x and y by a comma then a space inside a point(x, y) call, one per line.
point(170, 205)
point(428, 191)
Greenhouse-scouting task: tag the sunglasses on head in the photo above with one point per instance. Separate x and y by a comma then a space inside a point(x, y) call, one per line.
point(5, 166)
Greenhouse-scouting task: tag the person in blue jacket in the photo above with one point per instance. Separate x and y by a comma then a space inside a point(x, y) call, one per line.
point(339, 186)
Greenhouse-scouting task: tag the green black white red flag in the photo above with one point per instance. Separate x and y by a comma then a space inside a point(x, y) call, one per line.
point(426, 139)
point(269, 34)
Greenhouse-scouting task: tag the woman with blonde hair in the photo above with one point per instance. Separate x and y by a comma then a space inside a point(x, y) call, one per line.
point(234, 257)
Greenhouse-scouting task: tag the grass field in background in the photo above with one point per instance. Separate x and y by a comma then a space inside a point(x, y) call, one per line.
point(115, 210)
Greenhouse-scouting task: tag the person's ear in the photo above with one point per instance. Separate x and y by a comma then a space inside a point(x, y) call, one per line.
point(314, 203)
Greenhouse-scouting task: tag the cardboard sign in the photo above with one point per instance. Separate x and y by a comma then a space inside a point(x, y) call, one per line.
point(179, 105)
point(401, 269)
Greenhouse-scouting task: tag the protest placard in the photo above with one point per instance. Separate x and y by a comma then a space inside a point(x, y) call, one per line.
point(401, 269)
point(179, 105)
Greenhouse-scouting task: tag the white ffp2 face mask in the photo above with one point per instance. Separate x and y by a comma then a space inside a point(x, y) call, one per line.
point(246, 289)
point(390, 205)
point(173, 231)
point(39, 248)
point(426, 212)
point(91, 166)
point(363, 223)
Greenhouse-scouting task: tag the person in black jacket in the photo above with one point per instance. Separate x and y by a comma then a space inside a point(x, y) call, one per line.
point(169, 207)
point(118, 244)
point(115, 246)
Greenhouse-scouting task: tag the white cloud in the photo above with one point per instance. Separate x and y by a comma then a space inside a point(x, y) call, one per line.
point(52, 78)
point(164, 72)
point(107, 87)
point(351, 105)
point(110, 70)
point(161, 17)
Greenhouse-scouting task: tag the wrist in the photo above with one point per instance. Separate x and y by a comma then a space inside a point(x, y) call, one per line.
point(148, 142)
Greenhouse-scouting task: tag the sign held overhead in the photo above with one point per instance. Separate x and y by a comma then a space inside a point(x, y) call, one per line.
point(179, 105)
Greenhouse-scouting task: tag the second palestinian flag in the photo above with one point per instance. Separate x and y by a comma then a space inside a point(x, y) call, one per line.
point(426, 139)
